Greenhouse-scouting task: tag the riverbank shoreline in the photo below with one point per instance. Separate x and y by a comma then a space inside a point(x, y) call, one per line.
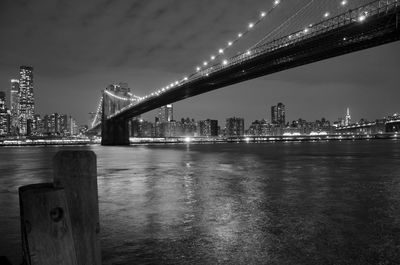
point(205, 140)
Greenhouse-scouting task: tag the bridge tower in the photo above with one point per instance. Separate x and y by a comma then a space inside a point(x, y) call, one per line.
point(114, 131)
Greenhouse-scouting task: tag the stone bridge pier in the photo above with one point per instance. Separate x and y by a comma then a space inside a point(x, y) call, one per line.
point(115, 132)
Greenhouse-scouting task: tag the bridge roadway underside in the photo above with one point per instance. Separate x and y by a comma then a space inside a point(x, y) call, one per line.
point(374, 31)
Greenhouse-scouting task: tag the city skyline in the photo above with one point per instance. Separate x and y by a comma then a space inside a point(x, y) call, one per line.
point(53, 123)
point(18, 116)
point(332, 85)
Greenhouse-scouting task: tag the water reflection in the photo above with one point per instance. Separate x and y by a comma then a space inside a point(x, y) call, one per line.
point(286, 203)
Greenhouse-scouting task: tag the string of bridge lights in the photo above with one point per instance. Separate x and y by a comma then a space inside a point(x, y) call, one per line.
point(220, 51)
point(97, 112)
point(132, 98)
point(230, 44)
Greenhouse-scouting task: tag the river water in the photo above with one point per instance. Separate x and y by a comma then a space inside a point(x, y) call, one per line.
point(274, 203)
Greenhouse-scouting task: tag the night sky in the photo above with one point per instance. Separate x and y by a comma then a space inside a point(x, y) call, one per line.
point(79, 47)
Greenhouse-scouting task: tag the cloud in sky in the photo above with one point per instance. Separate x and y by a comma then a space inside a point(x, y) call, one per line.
point(79, 47)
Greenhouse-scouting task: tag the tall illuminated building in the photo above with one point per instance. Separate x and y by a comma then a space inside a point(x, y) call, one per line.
point(278, 115)
point(347, 120)
point(26, 100)
point(166, 113)
point(14, 102)
point(4, 116)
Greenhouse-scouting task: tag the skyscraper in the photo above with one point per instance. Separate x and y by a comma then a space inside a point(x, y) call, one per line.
point(281, 118)
point(278, 115)
point(166, 113)
point(26, 99)
point(72, 126)
point(14, 101)
point(4, 119)
point(347, 120)
point(273, 114)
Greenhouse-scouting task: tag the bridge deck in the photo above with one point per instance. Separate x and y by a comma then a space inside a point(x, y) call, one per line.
point(339, 35)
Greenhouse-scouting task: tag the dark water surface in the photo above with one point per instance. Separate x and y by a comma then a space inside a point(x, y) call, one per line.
point(275, 203)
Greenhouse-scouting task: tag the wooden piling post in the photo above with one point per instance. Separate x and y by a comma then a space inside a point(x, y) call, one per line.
point(4, 261)
point(46, 227)
point(76, 172)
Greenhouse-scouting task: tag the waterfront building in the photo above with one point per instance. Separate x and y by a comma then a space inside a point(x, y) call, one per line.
point(157, 129)
point(255, 128)
point(51, 124)
point(54, 123)
point(189, 127)
point(146, 129)
point(347, 121)
point(208, 128)
point(172, 129)
point(166, 113)
point(14, 109)
point(46, 125)
point(260, 128)
point(26, 104)
point(234, 127)
point(134, 127)
point(72, 127)
point(274, 115)
point(141, 128)
point(4, 115)
point(278, 115)
point(63, 125)
point(37, 125)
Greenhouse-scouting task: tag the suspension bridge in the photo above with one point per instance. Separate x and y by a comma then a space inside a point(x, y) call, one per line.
point(296, 33)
